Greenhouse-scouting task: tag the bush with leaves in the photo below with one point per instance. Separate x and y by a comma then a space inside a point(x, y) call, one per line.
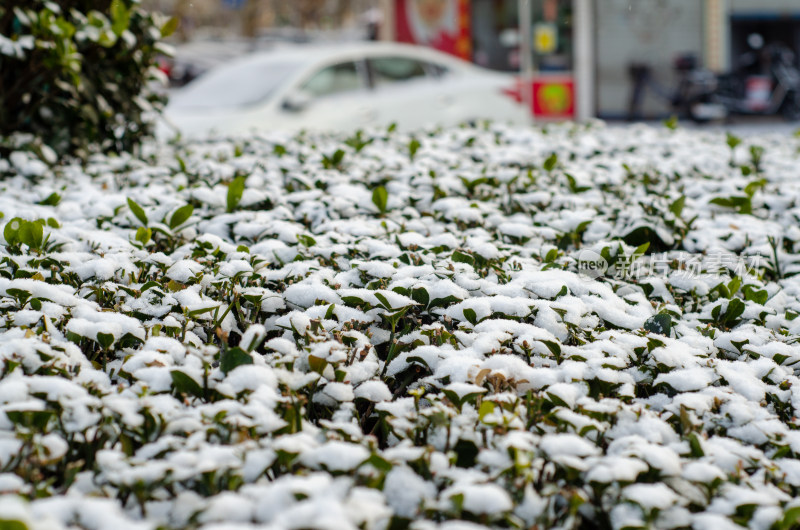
point(78, 74)
point(263, 333)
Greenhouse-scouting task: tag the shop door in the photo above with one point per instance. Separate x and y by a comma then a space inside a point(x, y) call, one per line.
point(773, 28)
point(496, 44)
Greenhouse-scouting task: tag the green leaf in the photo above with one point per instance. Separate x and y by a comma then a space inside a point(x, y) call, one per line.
point(722, 201)
point(233, 357)
point(413, 147)
point(554, 347)
point(444, 302)
point(20, 294)
point(169, 27)
point(735, 309)
point(31, 419)
point(739, 344)
point(732, 140)
point(235, 191)
point(394, 318)
point(379, 463)
point(137, 211)
point(379, 198)
point(120, 17)
point(671, 123)
point(556, 400)
point(677, 206)
point(742, 204)
point(197, 312)
point(333, 161)
point(12, 524)
point(11, 231)
point(317, 364)
point(487, 407)
point(31, 234)
point(383, 300)
point(105, 340)
point(694, 445)
point(143, 235)
point(421, 296)
point(461, 257)
point(754, 186)
point(660, 323)
point(353, 301)
point(52, 200)
point(180, 216)
point(184, 384)
point(306, 240)
point(791, 519)
point(550, 163)
point(759, 296)
point(470, 315)
point(733, 286)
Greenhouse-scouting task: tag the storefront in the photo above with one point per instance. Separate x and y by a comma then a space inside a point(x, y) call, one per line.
point(489, 33)
point(776, 28)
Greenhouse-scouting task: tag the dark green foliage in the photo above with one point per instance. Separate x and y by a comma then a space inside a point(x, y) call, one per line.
point(76, 74)
point(660, 323)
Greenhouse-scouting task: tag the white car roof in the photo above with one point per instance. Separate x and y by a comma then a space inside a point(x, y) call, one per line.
point(309, 54)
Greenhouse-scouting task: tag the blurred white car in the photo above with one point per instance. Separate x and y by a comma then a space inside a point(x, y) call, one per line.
point(342, 87)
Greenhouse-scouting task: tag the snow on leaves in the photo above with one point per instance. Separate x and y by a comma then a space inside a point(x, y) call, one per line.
point(361, 332)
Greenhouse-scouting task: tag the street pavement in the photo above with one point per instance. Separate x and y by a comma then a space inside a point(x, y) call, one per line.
point(744, 126)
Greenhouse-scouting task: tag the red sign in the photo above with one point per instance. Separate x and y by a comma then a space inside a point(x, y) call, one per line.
point(440, 24)
point(554, 98)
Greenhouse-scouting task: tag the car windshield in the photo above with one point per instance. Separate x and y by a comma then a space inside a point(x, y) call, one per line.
point(238, 85)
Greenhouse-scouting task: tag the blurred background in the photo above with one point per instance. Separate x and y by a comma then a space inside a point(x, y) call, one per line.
point(612, 59)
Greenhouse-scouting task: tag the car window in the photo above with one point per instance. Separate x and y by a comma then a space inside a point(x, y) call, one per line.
point(388, 70)
point(336, 79)
point(437, 70)
point(241, 84)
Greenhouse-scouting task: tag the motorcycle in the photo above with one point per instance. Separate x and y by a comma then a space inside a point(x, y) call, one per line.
point(691, 95)
point(767, 82)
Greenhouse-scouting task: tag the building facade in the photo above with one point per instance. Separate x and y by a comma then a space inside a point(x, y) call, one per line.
point(655, 32)
point(582, 50)
point(489, 33)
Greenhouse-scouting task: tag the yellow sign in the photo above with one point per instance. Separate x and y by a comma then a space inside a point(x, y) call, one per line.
point(545, 38)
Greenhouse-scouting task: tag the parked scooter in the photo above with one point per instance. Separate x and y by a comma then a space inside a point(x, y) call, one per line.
point(767, 82)
point(690, 96)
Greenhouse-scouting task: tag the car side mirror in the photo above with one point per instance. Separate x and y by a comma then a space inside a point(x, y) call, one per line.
point(297, 101)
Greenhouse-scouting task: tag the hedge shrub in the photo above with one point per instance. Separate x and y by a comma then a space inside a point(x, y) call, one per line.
point(76, 74)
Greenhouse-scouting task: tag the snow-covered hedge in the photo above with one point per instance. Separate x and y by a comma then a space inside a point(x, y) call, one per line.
point(563, 327)
point(75, 74)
